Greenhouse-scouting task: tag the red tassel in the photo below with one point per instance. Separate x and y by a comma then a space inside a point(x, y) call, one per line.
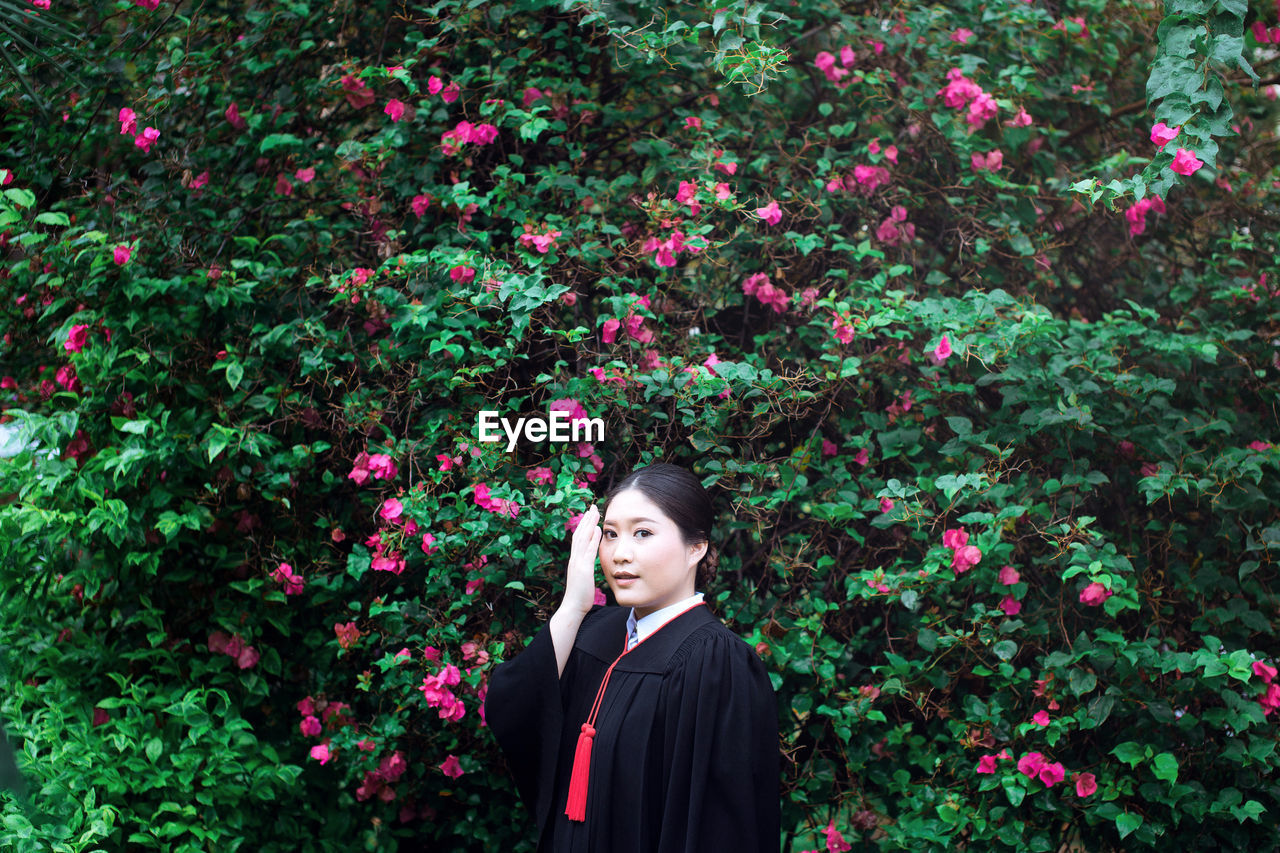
point(576, 808)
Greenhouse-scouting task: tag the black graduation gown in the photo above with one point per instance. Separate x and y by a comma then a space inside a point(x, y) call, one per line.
point(685, 758)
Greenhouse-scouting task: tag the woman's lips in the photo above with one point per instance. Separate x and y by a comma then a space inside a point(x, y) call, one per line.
point(625, 581)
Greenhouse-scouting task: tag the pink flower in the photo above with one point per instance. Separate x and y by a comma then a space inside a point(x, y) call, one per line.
point(1270, 700)
point(886, 505)
point(942, 351)
point(541, 475)
point(420, 204)
point(982, 109)
point(1022, 119)
point(320, 752)
point(145, 139)
point(283, 187)
point(1162, 134)
point(462, 275)
point(394, 108)
point(1009, 575)
point(599, 597)
point(828, 447)
point(128, 121)
point(1259, 445)
point(148, 4)
point(451, 768)
point(954, 538)
point(693, 122)
point(450, 93)
point(992, 161)
point(1094, 594)
point(306, 175)
point(987, 764)
point(76, 338)
point(293, 584)
point(835, 841)
point(428, 544)
point(1264, 671)
point(233, 117)
point(1086, 784)
point(391, 509)
point(247, 658)
point(1031, 764)
point(310, 726)
point(1010, 605)
point(862, 457)
point(1185, 162)
point(965, 558)
point(962, 35)
point(435, 84)
point(1051, 774)
point(200, 180)
point(1041, 718)
point(770, 213)
point(382, 466)
point(121, 255)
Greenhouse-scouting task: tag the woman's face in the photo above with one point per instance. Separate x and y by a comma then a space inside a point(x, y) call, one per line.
point(641, 541)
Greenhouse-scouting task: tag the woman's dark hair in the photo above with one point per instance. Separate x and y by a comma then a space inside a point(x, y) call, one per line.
point(680, 496)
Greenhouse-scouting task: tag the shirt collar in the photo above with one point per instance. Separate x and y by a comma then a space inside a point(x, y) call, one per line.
point(648, 624)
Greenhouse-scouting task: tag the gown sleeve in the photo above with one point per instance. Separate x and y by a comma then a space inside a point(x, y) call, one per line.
point(524, 709)
point(722, 759)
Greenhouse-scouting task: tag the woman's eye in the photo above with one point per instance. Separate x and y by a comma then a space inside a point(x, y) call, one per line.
point(642, 530)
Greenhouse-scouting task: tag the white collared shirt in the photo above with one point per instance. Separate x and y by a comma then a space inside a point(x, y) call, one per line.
point(646, 625)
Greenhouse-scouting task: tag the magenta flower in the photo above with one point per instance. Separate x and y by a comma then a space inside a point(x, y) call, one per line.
point(77, 338)
point(451, 768)
point(310, 726)
point(1185, 162)
point(1094, 594)
point(987, 764)
point(965, 558)
point(420, 204)
point(1264, 671)
point(954, 538)
point(233, 117)
point(462, 274)
point(1009, 575)
point(1086, 784)
point(770, 213)
point(394, 108)
point(1031, 764)
point(835, 841)
point(962, 35)
point(391, 509)
point(128, 121)
point(1162, 134)
point(1010, 605)
point(1041, 718)
point(1051, 774)
point(428, 544)
point(121, 255)
point(943, 350)
point(886, 505)
point(382, 466)
point(306, 175)
point(145, 139)
point(320, 753)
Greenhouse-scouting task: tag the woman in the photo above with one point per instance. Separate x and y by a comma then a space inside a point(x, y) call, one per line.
point(648, 727)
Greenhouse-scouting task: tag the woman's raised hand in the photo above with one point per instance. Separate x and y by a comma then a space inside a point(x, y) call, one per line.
point(580, 582)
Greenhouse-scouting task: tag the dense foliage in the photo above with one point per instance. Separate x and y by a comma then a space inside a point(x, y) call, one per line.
point(980, 365)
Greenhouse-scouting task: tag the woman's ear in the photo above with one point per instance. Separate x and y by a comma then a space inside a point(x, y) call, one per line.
point(696, 552)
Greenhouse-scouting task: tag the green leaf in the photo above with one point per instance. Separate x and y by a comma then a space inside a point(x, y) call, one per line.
point(235, 372)
point(1005, 649)
point(1165, 766)
point(1127, 823)
point(52, 218)
point(278, 140)
point(1130, 752)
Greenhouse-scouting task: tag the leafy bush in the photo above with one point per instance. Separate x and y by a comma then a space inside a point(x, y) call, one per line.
point(989, 413)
